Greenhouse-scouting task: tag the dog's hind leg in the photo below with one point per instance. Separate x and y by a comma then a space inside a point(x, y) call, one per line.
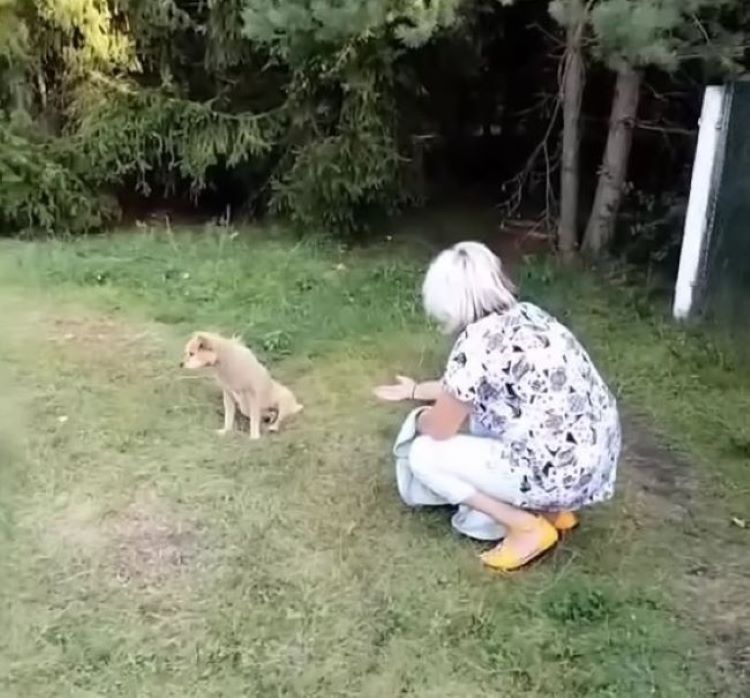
point(230, 409)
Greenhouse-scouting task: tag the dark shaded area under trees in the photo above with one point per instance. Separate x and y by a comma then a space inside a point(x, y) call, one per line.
point(337, 114)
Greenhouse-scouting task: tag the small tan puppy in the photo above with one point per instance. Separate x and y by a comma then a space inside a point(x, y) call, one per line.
point(245, 382)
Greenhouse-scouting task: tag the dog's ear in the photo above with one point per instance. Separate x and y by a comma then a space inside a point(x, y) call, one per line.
point(204, 341)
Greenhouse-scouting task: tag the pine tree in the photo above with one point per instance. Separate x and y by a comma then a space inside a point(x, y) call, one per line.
point(629, 36)
point(344, 159)
point(572, 15)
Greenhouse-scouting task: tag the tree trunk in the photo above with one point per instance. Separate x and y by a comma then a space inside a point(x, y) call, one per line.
point(572, 94)
point(609, 191)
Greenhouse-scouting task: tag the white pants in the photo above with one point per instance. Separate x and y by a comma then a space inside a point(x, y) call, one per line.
point(459, 467)
point(453, 470)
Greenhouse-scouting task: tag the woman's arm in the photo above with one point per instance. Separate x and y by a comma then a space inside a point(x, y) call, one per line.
point(408, 389)
point(445, 418)
point(429, 391)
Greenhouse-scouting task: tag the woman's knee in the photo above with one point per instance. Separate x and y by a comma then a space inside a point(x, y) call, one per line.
point(422, 454)
point(428, 455)
point(429, 463)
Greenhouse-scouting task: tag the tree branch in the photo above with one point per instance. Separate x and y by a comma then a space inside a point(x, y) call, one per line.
point(519, 182)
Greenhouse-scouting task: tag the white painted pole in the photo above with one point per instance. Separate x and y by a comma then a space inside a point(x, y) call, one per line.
point(698, 212)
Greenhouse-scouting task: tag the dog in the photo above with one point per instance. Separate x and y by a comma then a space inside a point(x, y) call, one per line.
point(245, 382)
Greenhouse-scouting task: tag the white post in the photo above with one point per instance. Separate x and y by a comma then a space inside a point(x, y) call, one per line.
point(698, 211)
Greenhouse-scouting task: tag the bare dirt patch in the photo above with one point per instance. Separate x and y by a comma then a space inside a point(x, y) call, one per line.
point(659, 472)
point(100, 340)
point(151, 546)
point(715, 579)
point(87, 329)
point(71, 335)
point(143, 545)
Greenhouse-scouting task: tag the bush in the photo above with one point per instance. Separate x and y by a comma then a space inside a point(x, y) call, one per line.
point(342, 159)
point(650, 229)
point(39, 194)
point(162, 94)
point(339, 181)
point(121, 130)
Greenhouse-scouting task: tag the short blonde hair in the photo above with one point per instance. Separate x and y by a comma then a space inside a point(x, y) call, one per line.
point(464, 284)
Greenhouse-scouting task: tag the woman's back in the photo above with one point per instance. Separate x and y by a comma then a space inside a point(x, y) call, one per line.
point(530, 382)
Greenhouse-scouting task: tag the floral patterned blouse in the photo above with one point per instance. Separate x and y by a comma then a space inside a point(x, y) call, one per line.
point(533, 387)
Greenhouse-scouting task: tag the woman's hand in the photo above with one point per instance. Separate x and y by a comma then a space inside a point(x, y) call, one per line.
point(402, 390)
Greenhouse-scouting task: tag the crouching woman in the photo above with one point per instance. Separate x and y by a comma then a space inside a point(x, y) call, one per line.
point(543, 436)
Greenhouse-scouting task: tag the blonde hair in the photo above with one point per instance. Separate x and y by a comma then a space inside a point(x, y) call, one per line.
point(464, 284)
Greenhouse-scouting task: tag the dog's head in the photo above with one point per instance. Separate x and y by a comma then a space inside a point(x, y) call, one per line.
point(287, 401)
point(199, 352)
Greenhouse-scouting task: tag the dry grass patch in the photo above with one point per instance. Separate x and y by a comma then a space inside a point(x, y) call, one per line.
point(145, 545)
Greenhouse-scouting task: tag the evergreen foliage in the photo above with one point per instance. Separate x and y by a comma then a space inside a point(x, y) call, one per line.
point(630, 36)
point(659, 33)
point(39, 194)
point(162, 93)
point(315, 97)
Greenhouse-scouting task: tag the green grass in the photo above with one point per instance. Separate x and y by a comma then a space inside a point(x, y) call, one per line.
point(143, 556)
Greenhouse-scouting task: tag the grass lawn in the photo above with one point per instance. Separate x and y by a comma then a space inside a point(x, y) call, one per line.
point(144, 556)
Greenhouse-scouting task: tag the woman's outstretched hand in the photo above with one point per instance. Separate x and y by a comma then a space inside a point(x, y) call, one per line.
point(402, 390)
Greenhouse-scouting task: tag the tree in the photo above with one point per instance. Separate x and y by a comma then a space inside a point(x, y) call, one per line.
point(572, 15)
point(344, 153)
point(629, 36)
point(295, 99)
point(13, 55)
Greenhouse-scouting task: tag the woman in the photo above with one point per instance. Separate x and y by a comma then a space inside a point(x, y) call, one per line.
point(544, 431)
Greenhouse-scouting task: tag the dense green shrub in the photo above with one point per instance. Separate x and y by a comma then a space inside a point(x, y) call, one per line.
point(120, 130)
point(344, 158)
point(40, 194)
point(340, 181)
point(342, 161)
point(311, 106)
point(168, 95)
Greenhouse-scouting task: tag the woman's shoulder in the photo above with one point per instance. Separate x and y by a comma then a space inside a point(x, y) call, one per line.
point(531, 312)
point(486, 327)
point(497, 328)
point(537, 322)
point(522, 314)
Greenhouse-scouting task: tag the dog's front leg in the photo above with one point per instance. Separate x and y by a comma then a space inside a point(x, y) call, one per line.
point(230, 408)
point(254, 414)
